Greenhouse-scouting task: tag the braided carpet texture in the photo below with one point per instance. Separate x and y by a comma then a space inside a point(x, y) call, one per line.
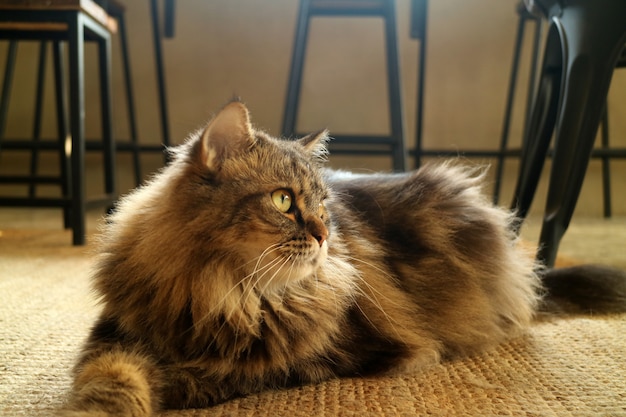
point(563, 367)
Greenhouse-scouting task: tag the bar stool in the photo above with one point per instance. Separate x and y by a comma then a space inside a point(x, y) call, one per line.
point(132, 145)
point(585, 41)
point(393, 144)
point(74, 21)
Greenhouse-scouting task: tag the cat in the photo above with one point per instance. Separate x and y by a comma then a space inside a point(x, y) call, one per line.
point(246, 265)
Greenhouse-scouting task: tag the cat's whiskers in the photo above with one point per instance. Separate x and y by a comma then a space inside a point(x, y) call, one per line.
point(333, 291)
point(239, 284)
point(247, 289)
point(282, 293)
point(384, 273)
point(247, 286)
point(273, 263)
point(317, 282)
point(356, 303)
point(251, 285)
point(371, 265)
point(267, 251)
point(269, 281)
point(372, 297)
point(245, 282)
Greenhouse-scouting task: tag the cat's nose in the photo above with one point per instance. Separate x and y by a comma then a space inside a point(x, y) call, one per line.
point(318, 230)
point(321, 237)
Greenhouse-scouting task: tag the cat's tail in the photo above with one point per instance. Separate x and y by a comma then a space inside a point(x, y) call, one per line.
point(584, 289)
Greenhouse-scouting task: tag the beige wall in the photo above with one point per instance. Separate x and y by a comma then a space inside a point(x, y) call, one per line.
point(243, 47)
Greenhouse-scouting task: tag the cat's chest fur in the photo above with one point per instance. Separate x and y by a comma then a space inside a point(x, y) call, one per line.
point(299, 320)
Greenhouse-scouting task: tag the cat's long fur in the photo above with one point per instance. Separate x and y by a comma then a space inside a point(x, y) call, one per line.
point(209, 291)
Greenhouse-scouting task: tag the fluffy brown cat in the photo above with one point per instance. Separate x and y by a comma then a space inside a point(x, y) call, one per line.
point(245, 265)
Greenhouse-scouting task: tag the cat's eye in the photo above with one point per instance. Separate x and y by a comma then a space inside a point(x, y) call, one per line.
point(321, 210)
point(282, 200)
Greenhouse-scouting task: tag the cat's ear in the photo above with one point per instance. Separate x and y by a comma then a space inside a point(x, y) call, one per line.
point(316, 144)
point(227, 134)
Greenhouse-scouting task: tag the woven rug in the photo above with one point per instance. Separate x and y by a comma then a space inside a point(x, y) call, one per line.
point(564, 367)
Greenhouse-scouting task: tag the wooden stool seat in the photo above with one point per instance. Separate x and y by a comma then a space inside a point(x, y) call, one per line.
point(88, 7)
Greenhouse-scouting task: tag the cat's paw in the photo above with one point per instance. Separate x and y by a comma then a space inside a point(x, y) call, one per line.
point(112, 384)
point(421, 358)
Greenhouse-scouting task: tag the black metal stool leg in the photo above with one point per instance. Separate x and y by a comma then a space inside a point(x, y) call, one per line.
point(104, 58)
point(6, 86)
point(530, 96)
point(606, 164)
point(130, 100)
point(395, 94)
point(160, 70)
point(419, 31)
point(541, 124)
point(34, 156)
point(62, 127)
point(504, 139)
point(295, 73)
point(77, 127)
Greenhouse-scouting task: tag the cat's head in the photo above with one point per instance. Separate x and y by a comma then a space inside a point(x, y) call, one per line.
point(255, 198)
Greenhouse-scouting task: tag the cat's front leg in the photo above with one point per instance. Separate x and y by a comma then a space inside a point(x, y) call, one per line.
point(114, 383)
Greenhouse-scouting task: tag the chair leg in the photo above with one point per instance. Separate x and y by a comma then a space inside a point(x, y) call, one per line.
point(130, 100)
point(504, 139)
point(34, 156)
point(593, 47)
point(104, 58)
point(541, 124)
point(530, 95)
point(160, 70)
point(62, 128)
point(534, 66)
point(420, 10)
point(295, 73)
point(394, 90)
point(77, 127)
point(6, 86)
point(606, 165)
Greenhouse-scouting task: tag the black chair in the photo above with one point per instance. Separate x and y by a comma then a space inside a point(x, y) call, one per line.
point(394, 143)
point(603, 152)
point(584, 44)
point(73, 22)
